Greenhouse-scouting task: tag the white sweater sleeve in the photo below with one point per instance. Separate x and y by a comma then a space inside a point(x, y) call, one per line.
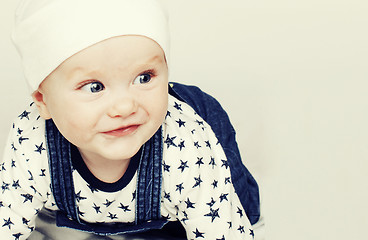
point(197, 186)
point(24, 176)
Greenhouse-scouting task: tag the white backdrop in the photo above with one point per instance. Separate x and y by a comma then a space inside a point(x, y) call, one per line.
point(293, 77)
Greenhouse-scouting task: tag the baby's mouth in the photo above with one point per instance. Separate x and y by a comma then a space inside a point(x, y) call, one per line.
point(123, 131)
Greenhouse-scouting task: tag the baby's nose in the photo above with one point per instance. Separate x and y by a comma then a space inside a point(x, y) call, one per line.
point(123, 107)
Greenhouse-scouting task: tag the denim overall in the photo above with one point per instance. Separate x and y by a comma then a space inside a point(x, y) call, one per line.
point(148, 194)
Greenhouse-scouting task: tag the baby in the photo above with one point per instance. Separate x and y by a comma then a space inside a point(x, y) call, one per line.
point(109, 145)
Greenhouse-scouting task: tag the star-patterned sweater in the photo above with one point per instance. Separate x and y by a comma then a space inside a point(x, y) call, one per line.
point(196, 182)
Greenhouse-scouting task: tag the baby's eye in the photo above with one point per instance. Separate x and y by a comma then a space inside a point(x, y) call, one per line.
point(143, 78)
point(93, 87)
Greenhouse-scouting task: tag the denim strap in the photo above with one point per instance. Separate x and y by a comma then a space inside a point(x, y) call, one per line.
point(149, 180)
point(61, 171)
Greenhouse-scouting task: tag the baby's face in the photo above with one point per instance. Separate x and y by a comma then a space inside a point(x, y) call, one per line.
point(110, 98)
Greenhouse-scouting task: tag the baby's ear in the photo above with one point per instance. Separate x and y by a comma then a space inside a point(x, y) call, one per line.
point(38, 99)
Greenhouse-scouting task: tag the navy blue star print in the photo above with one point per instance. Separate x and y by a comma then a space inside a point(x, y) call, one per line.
point(179, 187)
point(31, 176)
point(125, 208)
point(92, 189)
point(168, 114)
point(80, 212)
point(24, 114)
point(27, 197)
point(251, 232)
point(78, 197)
point(17, 236)
point(170, 141)
point(196, 144)
point(40, 148)
point(230, 225)
point(134, 194)
point(224, 197)
point(181, 123)
point(97, 208)
point(241, 229)
point(199, 162)
point(211, 203)
point(213, 214)
point(112, 216)
point(225, 163)
point(108, 203)
point(2, 167)
point(166, 167)
point(167, 196)
point(240, 212)
point(185, 218)
point(227, 180)
point(13, 147)
point(212, 162)
point(21, 139)
point(5, 186)
point(35, 190)
point(19, 131)
point(214, 184)
point(43, 173)
point(8, 223)
point(37, 211)
point(189, 203)
point(181, 145)
point(198, 234)
point(200, 123)
point(178, 106)
point(183, 165)
point(198, 181)
point(25, 221)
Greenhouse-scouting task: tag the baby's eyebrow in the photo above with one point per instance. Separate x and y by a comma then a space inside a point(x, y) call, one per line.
point(74, 71)
point(80, 70)
point(156, 58)
point(151, 61)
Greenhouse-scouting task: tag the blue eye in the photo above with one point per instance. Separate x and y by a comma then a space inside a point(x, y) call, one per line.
point(143, 78)
point(93, 87)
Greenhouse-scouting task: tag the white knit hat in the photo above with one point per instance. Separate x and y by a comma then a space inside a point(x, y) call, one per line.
point(47, 32)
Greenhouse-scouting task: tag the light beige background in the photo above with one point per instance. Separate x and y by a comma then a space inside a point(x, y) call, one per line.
point(293, 77)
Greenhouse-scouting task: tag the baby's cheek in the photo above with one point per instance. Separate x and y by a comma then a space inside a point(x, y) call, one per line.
point(162, 108)
point(74, 132)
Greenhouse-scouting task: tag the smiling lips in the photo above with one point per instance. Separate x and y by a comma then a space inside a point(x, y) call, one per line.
point(120, 132)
